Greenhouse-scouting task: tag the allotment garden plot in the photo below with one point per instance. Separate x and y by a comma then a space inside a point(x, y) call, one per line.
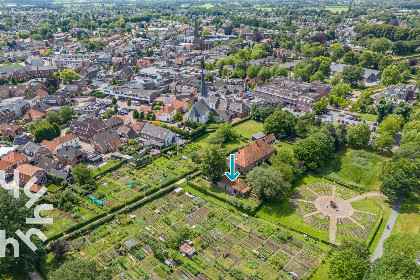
point(335, 209)
point(120, 187)
point(146, 242)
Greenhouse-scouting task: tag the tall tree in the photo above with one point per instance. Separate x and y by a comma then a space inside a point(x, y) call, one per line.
point(213, 163)
point(13, 213)
point(359, 135)
point(267, 183)
point(280, 123)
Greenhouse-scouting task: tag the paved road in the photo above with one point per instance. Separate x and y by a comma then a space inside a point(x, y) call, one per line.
point(387, 232)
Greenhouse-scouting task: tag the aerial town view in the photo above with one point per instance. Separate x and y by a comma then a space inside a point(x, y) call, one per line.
point(209, 140)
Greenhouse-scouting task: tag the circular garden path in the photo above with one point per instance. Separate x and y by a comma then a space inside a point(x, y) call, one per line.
point(328, 207)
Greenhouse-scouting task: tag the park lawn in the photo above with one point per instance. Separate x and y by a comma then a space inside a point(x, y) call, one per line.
point(337, 9)
point(357, 167)
point(368, 117)
point(408, 219)
point(249, 128)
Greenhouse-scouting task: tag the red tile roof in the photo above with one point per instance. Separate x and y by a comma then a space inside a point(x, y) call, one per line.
point(253, 153)
point(28, 169)
point(13, 157)
point(4, 165)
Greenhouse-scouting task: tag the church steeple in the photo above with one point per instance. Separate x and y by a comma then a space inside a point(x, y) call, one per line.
point(195, 27)
point(203, 92)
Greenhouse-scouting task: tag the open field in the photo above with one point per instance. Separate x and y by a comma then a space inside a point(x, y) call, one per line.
point(337, 9)
point(357, 167)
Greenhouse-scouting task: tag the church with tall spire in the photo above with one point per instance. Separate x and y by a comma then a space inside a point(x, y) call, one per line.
point(197, 43)
point(200, 111)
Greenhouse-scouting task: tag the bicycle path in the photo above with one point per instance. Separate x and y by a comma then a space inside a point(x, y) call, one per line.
point(387, 231)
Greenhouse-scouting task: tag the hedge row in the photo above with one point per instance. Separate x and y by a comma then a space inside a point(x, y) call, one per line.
point(340, 182)
point(241, 121)
point(375, 228)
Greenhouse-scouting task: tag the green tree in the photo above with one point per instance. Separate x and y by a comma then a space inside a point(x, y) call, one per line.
point(129, 102)
point(13, 80)
point(353, 74)
point(267, 183)
point(252, 71)
point(336, 79)
point(141, 116)
point(401, 177)
point(282, 71)
point(109, 113)
point(53, 117)
point(385, 62)
point(351, 58)
point(67, 113)
point(44, 131)
point(384, 107)
point(394, 267)
point(315, 151)
point(178, 116)
point(213, 163)
point(349, 263)
point(280, 123)
point(82, 174)
point(359, 135)
point(13, 213)
point(318, 76)
point(320, 104)
point(209, 66)
point(79, 269)
point(264, 74)
point(68, 76)
point(287, 164)
point(384, 142)
point(380, 45)
point(391, 76)
point(391, 124)
point(114, 100)
point(224, 134)
point(136, 114)
point(337, 51)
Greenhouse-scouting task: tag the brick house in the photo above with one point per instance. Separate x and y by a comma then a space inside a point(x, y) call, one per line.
point(63, 141)
point(6, 115)
point(87, 127)
point(26, 172)
point(250, 156)
point(7, 168)
point(36, 151)
point(71, 156)
point(10, 130)
point(107, 141)
point(236, 187)
point(31, 115)
point(166, 114)
point(15, 159)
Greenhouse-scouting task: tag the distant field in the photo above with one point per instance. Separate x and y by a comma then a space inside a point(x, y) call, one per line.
point(337, 9)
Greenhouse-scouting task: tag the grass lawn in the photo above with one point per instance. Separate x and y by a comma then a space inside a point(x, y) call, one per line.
point(368, 117)
point(204, 143)
point(357, 167)
point(408, 219)
point(337, 9)
point(249, 128)
point(283, 146)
